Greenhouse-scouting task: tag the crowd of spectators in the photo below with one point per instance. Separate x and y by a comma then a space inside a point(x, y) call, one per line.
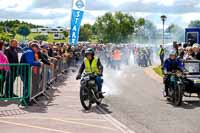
point(188, 52)
point(35, 54)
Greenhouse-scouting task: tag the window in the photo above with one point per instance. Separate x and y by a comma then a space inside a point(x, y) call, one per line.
point(192, 36)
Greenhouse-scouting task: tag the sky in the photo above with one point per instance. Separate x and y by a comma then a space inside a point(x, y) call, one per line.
point(55, 13)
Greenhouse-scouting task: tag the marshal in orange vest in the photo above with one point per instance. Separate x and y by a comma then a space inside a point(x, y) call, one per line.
point(117, 55)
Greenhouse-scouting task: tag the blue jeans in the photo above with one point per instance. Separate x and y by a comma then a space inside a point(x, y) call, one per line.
point(99, 82)
point(26, 79)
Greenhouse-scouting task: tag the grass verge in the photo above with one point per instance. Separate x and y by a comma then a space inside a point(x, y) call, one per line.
point(158, 70)
point(32, 35)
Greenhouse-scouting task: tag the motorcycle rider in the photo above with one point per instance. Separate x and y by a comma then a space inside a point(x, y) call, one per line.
point(92, 64)
point(172, 64)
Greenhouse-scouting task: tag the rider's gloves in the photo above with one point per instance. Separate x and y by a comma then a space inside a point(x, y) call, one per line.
point(100, 74)
point(78, 77)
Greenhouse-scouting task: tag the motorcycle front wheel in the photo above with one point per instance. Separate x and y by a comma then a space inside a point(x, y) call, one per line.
point(85, 98)
point(178, 95)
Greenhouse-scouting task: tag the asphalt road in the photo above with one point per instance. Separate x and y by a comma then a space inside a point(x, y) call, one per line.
point(136, 100)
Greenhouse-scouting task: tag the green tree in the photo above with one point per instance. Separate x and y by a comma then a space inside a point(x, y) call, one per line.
point(150, 30)
point(176, 31)
point(65, 33)
point(85, 32)
point(126, 26)
point(114, 28)
point(140, 31)
point(195, 23)
point(1, 29)
point(106, 28)
point(41, 38)
point(23, 31)
point(140, 22)
point(94, 29)
point(5, 37)
point(172, 28)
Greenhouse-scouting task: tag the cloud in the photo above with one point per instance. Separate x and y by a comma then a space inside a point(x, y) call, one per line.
point(178, 7)
point(99, 5)
point(91, 4)
point(28, 15)
point(58, 12)
point(50, 4)
point(17, 5)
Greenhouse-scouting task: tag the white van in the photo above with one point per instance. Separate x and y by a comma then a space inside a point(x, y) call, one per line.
point(58, 36)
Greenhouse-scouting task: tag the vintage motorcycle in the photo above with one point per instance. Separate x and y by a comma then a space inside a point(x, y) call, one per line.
point(185, 84)
point(175, 87)
point(89, 93)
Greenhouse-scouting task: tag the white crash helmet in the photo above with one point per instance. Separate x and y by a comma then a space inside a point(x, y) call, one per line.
point(172, 52)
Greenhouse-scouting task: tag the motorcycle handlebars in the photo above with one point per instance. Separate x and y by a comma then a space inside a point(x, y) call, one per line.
point(177, 73)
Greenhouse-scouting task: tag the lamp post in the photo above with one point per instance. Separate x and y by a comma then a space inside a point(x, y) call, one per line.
point(163, 18)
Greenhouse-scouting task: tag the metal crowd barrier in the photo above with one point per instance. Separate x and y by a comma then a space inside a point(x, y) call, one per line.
point(24, 83)
point(43, 77)
point(52, 72)
point(60, 67)
point(15, 82)
point(38, 82)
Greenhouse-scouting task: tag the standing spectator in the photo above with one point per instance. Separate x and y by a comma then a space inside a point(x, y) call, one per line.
point(28, 57)
point(50, 50)
point(3, 69)
point(162, 54)
point(149, 52)
point(43, 55)
point(12, 55)
point(46, 59)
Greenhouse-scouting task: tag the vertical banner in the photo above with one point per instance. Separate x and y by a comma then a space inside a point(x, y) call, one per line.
point(78, 9)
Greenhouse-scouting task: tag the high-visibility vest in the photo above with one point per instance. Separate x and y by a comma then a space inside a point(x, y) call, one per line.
point(117, 55)
point(91, 68)
point(161, 51)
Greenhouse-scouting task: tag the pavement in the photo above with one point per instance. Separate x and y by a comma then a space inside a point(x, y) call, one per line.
point(133, 104)
point(135, 96)
point(62, 113)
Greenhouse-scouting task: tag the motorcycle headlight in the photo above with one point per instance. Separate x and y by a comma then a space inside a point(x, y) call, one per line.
point(91, 82)
point(86, 78)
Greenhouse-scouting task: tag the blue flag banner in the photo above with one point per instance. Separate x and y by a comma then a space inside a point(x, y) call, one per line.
point(77, 15)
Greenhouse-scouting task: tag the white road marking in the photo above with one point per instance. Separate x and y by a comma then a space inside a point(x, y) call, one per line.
point(114, 122)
